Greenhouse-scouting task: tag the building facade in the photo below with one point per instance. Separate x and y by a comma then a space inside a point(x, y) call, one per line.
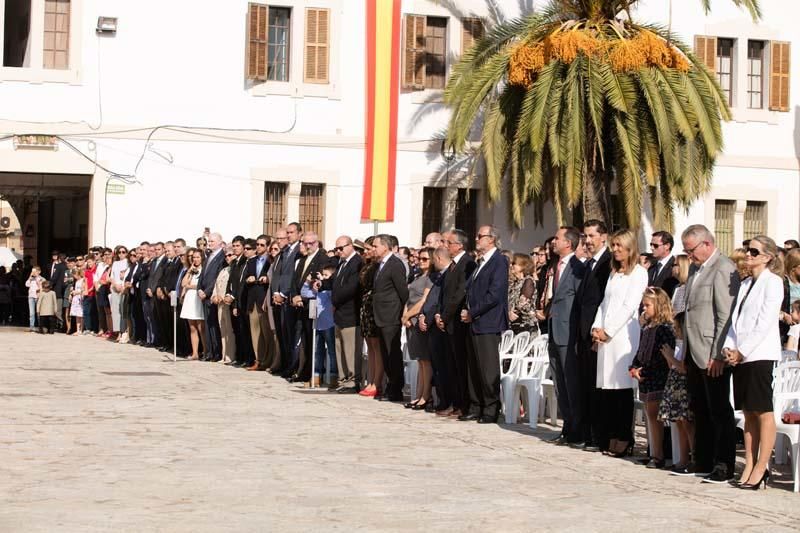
point(151, 120)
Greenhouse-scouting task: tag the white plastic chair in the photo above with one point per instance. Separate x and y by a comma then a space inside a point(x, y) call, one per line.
point(508, 363)
point(784, 401)
point(410, 366)
point(548, 388)
point(530, 374)
point(786, 379)
point(506, 342)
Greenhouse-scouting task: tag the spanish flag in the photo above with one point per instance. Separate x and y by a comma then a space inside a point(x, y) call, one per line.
point(383, 87)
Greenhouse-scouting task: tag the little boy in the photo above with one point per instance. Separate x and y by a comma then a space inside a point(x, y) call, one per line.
point(47, 307)
point(794, 331)
point(320, 289)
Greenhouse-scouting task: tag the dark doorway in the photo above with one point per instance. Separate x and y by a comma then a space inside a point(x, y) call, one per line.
point(53, 211)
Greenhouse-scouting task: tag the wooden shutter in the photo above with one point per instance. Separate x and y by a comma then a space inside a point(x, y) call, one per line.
point(779, 76)
point(316, 45)
point(256, 61)
point(705, 48)
point(414, 56)
point(471, 31)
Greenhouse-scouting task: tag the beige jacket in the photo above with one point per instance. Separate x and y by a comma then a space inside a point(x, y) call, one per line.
point(47, 303)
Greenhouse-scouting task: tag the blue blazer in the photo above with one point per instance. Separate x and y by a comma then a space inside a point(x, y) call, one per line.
point(487, 296)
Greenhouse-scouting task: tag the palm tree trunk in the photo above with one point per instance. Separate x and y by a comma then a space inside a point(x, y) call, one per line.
point(595, 193)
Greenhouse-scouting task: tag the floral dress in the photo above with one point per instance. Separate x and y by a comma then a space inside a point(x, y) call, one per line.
point(675, 402)
point(367, 279)
point(522, 301)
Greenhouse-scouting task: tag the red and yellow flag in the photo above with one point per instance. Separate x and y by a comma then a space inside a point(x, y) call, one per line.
point(383, 87)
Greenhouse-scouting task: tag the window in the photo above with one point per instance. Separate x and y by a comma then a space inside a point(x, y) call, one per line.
point(312, 209)
point(56, 34)
point(274, 207)
point(16, 33)
point(725, 67)
point(278, 44)
point(467, 213)
point(779, 76)
point(755, 219)
point(723, 225)
point(471, 31)
point(432, 205)
point(755, 74)
point(316, 46)
point(425, 54)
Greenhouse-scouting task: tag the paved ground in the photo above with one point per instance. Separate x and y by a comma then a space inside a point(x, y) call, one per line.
point(202, 447)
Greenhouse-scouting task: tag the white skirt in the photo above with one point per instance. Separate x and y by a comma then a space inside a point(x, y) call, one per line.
point(192, 306)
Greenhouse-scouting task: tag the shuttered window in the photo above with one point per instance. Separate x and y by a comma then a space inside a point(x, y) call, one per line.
point(780, 62)
point(256, 63)
point(312, 209)
point(705, 48)
point(425, 52)
point(432, 205)
point(755, 219)
point(414, 53)
point(56, 34)
point(274, 207)
point(471, 31)
point(316, 58)
point(723, 225)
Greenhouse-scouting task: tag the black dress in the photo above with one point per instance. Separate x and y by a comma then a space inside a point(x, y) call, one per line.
point(367, 280)
point(654, 368)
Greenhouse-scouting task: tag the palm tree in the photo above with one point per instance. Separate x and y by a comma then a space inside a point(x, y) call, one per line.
point(581, 96)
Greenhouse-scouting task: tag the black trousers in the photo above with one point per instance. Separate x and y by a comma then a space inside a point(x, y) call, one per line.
point(163, 312)
point(277, 317)
point(139, 324)
point(483, 361)
point(715, 433)
point(458, 345)
point(437, 345)
point(589, 425)
point(287, 332)
point(47, 323)
point(564, 365)
point(616, 420)
point(304, 365)
point(182, 333)
point(392, 360)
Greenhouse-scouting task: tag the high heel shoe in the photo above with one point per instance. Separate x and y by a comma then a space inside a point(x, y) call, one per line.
point(625, 452)
point(757, 486)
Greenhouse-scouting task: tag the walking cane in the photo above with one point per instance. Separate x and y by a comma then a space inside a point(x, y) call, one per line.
point(312, 314)
point(173, 301)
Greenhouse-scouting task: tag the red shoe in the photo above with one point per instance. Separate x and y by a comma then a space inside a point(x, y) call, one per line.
point(369, 393)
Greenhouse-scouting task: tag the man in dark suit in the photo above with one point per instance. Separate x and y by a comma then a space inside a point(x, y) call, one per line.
point(55, 275)
point(157, 268)
point(283, 276)
point(487, 314)
point(389, 296)
point(257, 281)
point(588, 298)
point(346, 307)
point(562, 328)
point(280, 240)
point(233, 288)
point(660, 274)
point(133, 284)
point(309, 266)
point(167, 286)
point(245, 357)
point(205, 286)
point(451, 301)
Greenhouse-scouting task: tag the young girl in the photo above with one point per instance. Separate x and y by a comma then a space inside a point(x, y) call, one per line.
point(34, 284)
point(76, 298)
point(675, 403)
point(650, 368)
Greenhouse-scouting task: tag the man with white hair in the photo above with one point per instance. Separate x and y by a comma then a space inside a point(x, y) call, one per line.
point(205, 286)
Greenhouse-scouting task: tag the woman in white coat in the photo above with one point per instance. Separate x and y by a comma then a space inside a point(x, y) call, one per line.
point(616, 332)
point(752, 346)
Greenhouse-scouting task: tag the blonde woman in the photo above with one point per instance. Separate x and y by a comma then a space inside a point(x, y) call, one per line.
point(616, 331)
point(753, 346)
point(224, 310)
point(680, 271)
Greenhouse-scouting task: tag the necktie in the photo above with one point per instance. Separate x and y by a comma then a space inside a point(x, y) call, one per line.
point(591, 264)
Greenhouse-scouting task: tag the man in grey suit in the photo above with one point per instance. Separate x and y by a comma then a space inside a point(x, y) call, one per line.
point(562, 328)
point(710, 293)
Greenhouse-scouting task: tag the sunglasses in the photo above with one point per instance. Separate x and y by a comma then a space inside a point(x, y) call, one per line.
point(424, 259)
point(122, 252)
point(340, 248)
point(229, 255)
point(248, 247)
point(261, 244)
point(754, 252)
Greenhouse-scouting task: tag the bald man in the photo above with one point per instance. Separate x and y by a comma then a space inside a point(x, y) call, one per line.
point(205, 286)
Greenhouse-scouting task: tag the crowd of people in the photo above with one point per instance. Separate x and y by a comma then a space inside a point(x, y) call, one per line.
point(678, 328)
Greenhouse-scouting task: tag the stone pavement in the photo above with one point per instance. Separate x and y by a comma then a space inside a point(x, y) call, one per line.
point(102, 437)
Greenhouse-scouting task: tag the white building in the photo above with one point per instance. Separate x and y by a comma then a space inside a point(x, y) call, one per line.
point(165, 99)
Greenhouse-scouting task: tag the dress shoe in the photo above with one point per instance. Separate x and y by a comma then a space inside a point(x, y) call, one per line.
point(419, 406)
point(487, 420)
point(561, 440)
point(391, 398)
point(162, 349)
point(410, 405)
point(444, 412)
point(591, 447)
point(468, 417)
point(348, 390)
point(430, 408)
point(254, 367)
point(577, 445)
